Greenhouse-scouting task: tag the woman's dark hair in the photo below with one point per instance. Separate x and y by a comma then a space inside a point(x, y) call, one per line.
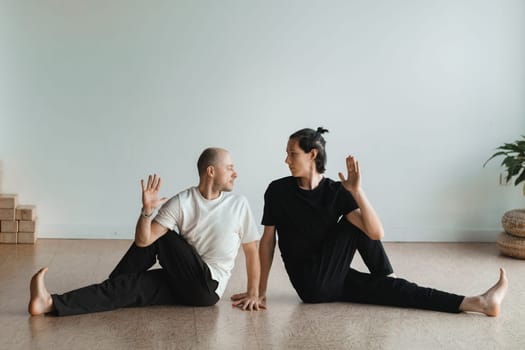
point(309, 139)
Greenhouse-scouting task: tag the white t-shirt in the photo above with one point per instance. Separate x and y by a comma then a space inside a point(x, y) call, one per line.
point(216, 228)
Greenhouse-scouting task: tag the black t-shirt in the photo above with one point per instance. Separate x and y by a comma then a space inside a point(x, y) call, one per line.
point(304, 218)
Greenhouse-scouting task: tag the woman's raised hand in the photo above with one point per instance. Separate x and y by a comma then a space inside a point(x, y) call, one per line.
point(352, 182)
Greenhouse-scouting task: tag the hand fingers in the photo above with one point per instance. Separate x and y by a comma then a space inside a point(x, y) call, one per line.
point(158, 184)
point(259, 306)
point(341, 177)
point(238, 296)
point(142, 184)
point(352, 164)
point(238, 303)
point(154, 182)
point(246, 304)
point(149, 182)
point(349, 165)
point(250, 306)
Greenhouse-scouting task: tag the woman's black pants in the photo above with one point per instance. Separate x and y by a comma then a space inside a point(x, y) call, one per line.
point(326, 276)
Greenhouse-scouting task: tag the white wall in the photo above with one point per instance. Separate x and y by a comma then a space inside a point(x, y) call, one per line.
point(95, 95)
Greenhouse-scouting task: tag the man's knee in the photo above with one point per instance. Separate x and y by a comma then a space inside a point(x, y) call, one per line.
point(209, 302)
point(203, 300)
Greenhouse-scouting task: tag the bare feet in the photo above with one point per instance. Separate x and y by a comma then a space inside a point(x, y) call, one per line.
point(40, 301)
point(488, 303)
point(493, 297)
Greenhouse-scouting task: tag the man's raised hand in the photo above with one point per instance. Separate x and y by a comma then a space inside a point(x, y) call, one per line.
point(150, 194)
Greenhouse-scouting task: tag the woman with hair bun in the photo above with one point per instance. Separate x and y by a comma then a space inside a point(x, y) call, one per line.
point(322, 222)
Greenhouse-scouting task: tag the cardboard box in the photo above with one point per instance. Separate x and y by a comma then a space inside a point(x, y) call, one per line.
point(7, 214)
point(8, 201)
point(9, 226)
point(26, 237)
point(26, 212)
point(8, 237)
point(26, 226)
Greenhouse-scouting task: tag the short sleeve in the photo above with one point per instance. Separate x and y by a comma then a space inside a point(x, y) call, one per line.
point(249, 229)
point(169, 214)
point(268, 218)
point(346, 201)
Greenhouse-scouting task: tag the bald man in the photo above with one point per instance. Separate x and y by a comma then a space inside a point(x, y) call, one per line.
point(195, 237)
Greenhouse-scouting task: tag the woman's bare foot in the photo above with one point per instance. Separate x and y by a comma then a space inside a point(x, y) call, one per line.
point(40, 301)
point(494, 296)
point(488, 303)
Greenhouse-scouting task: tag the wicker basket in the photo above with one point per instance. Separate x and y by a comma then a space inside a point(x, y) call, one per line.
point(513, 222)
point(511, 245)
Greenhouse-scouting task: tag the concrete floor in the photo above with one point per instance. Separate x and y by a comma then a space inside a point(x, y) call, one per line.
point(462, 268)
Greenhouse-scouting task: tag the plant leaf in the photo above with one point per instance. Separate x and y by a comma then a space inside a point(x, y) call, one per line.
point(520, 178)
point(509, 147)
point(509, 162)
point(494, 155)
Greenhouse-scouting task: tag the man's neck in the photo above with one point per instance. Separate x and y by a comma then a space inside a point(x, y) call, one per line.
point(208, 192)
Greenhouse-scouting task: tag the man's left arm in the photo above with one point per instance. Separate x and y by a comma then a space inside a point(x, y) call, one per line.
point(250, 299)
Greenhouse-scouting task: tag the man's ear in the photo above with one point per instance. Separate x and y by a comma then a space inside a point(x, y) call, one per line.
point(210, 171)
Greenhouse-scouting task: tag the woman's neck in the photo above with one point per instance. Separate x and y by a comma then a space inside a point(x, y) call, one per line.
point(310, 182)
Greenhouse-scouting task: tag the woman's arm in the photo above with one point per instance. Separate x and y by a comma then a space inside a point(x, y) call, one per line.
point(266, 251)
point(365, 217)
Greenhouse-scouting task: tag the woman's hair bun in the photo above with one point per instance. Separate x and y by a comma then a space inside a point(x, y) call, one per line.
point(320, 130)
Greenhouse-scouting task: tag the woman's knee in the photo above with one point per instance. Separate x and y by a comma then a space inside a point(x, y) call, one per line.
point(317, 294)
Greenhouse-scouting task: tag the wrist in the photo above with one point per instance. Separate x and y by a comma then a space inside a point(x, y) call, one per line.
point(147, 212)
point(253, 293)
point(356, 191)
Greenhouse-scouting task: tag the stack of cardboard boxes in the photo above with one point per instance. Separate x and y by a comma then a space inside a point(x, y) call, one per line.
point(17, 222)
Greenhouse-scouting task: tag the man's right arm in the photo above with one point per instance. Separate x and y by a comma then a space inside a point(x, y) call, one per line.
point(266, 251)
point(148, 231)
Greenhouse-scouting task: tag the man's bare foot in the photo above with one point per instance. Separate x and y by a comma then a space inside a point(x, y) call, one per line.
point(488, 303)
point(40, 301)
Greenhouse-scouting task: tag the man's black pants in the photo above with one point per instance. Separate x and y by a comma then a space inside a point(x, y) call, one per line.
point(184, 279)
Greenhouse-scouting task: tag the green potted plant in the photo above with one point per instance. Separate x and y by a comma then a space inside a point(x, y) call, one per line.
point(514, 160)
point(511, 242)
